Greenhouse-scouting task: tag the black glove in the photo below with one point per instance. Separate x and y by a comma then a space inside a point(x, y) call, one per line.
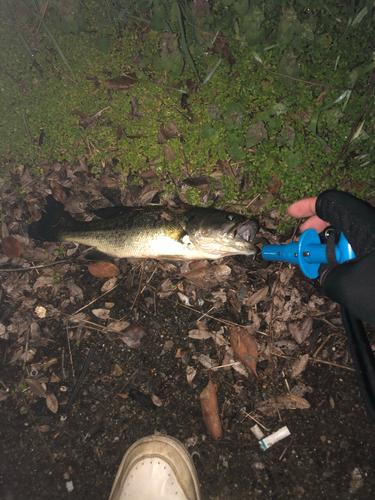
point(351, 284)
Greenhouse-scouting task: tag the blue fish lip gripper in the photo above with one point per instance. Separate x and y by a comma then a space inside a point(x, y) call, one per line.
point(308, 252)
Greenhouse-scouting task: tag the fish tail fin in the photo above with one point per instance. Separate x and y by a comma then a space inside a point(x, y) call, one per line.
point(53, 220)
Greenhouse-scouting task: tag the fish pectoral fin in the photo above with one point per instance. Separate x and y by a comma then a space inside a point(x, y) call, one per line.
point(184, 238)
point(98, 256)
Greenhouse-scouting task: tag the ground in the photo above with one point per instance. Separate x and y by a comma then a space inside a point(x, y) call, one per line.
point(132, 392)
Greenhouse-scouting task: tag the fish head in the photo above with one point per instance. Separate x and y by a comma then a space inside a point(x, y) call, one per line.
point(222, 233)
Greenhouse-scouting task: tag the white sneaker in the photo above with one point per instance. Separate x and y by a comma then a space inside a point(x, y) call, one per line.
point(156, 468)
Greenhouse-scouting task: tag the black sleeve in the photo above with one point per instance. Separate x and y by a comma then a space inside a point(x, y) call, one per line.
point(352, 285)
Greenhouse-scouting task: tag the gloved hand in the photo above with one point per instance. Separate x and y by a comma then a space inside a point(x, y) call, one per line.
point(351, 284)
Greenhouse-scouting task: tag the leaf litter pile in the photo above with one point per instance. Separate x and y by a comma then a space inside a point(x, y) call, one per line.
point(201, 350)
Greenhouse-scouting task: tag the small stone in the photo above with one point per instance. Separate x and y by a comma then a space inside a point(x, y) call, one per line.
point(168, 345)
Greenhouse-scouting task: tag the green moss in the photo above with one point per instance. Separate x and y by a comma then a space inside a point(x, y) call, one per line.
point(303, 42)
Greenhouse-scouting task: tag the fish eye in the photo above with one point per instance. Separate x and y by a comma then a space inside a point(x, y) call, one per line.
point(230, 216)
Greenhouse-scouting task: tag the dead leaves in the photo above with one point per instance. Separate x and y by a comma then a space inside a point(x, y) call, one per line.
point(285, 402)
point(210, 410)
point(11, 247)
point(52, 403)
point(132, 337)
point(38, 388)
point(301, 332)
point(209, 276)
point(300, 365)
point(245, 348)
point(104, 270)
point(257, 296)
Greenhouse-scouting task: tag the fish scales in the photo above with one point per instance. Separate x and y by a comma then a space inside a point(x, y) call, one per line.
point(131, 233)
point(152, 232)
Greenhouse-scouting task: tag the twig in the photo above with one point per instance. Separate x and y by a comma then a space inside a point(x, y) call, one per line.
point(223, 366)
point(321, 347)
point(285, 449)
point(255, 420)
point(226, 322)
point(89, 304)
point(252, 201)
point(63, 363)
point(317, 360)
point(127, 382)
point(27, 128)
point(19, 269)
point(80, 380)
point(275, 286)
point(140, 285)
point(44, 9)
point(26, 352)
point(205, 314)
point(70, 352)
point(98, 327)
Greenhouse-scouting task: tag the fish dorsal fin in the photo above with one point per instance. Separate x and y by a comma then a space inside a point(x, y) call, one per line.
point(106, 212)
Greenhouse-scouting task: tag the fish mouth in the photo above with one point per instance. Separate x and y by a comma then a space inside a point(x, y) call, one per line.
point(244, 231)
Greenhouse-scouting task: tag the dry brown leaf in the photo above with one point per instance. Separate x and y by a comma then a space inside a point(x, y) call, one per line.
point(285, 402)
point(52, 403)
point(190, 374)
point(300, 333)
point(109, 285)
point(104, 270)
point(167, 288)
point(209, 277)
point(286, 275)
point(122, 82)
point(184, 299)
point(11, 247)
point(3, 332)
point(299, 366)
point(207, 361)
point(229, 362)
point(168, 133)
point(201, 332)
point(245, 348)
point(156, 400)
point(16, 355)
point(58, 192)
point(75, 290)
point(133, 336)
point(169, 154)
point(3, 395)
point(43, 281)
point(256, 297)
point(102, 313)
point(54, 378)
point(301, 389)
point(44, 428)
point(36, 388)
point(210, 410)
point(117, 326)
point(219, 337)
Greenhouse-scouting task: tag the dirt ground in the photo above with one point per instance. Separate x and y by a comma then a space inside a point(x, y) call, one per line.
point(139, 386)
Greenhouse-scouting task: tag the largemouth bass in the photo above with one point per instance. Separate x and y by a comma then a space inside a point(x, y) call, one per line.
point(152, 231)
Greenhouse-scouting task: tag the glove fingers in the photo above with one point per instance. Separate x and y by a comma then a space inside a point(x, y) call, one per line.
point(354, 217)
